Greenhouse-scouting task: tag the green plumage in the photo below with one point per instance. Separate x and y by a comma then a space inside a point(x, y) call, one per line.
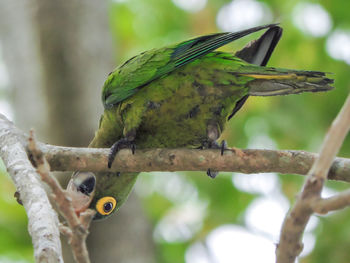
point(182, 95)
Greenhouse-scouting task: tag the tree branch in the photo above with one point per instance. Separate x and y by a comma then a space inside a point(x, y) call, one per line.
point(233, 160)
point(42, 219)
point(309, 199)
point(337, 202)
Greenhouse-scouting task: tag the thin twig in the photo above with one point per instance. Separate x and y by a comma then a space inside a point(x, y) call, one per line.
point(78, 226)
point(332, 142)
point(295, 222)
point(336, 202)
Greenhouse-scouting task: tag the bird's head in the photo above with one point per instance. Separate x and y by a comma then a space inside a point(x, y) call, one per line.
point(102, 192)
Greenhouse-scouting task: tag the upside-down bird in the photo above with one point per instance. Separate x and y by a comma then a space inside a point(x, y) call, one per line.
point(178, 96)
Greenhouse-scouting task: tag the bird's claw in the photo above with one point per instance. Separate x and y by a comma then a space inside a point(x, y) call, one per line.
point(223, 147)
point(212, 174)
point(214, 145)
point(18, 198)
point(117, 146)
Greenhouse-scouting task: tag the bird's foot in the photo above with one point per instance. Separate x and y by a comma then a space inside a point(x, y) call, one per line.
point(18, 198)
point(223, 147)
point(214, 145)
point(212, 174)
point(117, 146)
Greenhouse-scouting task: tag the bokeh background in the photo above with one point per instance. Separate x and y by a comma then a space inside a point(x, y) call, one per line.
point(54, 57)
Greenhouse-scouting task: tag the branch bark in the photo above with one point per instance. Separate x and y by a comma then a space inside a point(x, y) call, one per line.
point(42, 219)
point(309, 200)
point(337, 202)
point(147, 160)
point(233, 160)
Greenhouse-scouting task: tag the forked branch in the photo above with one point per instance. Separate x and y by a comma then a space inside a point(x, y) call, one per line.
point(309, 200)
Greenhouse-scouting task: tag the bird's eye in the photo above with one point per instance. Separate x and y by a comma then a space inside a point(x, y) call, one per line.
point(106, 205)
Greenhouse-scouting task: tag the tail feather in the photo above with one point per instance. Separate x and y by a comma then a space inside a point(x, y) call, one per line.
point(258, 52)
point(288, 82)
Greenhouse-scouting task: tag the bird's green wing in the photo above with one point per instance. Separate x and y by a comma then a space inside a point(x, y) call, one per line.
point(150, 65)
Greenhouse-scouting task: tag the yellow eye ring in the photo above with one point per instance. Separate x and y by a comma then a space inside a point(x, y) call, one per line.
point(106, 205)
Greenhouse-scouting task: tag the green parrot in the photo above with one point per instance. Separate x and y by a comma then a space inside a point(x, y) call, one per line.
point(181, 96)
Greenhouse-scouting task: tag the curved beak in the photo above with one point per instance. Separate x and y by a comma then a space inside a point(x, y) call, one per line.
point(81, 189)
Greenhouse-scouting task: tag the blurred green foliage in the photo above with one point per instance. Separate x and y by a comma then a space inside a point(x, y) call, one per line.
point(292, 122)
point(15, 242)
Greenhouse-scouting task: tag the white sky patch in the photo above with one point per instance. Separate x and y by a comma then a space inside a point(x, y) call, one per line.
point(312, 19)
point(312, 224)
point(185, 218)
point(257, 131)
point(197, 253)
point(262, 141)
point(4, 259)
point(338, 45)
point(266, 214)
point(232, 243)
point(4, 76)
point(119, 1)
point(6, 109)
point(171, 185)
point(181, 222)
point(309, 241)
point(242, 14)
point(190, 5)
point(5, 106)
point(328, 192)
point(254, 126)
point(144, 185)
point(264, 183)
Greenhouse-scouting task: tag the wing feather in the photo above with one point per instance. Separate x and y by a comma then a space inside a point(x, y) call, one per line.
point(150, 65)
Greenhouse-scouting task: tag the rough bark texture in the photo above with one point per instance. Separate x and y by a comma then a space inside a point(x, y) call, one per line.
point(42, 219)
point(148, 160)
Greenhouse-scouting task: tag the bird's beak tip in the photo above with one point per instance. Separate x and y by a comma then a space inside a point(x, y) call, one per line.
point(81, 189)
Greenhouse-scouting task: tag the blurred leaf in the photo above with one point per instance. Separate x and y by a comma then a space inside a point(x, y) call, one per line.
point(15, 242)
